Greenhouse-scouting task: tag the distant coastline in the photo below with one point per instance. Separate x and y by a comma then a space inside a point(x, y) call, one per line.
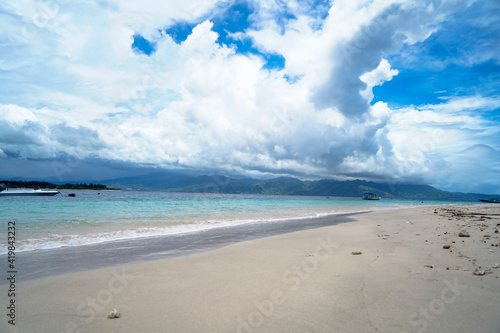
point(182, 183)
point(47, 185)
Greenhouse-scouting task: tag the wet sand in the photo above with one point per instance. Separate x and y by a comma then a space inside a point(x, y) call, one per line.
point(124, 252)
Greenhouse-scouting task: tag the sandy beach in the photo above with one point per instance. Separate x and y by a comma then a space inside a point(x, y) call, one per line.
point(427, 269)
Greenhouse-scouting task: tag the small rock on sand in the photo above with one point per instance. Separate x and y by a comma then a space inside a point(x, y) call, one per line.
point(114, 314)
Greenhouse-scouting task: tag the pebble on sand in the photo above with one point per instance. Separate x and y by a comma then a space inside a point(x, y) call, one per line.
point(114, 314)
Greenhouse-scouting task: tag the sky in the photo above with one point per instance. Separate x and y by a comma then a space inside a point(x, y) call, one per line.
point(390, 91)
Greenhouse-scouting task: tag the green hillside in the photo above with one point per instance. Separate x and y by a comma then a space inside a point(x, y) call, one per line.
point(287, 186)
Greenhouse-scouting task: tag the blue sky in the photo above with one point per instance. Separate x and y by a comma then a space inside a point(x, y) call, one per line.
point(384, 90)
point(449, 62)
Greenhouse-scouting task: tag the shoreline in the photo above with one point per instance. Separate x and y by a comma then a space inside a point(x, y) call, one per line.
point(22, 248)
point(73, 259)
point(80, 226)
point(402, 280)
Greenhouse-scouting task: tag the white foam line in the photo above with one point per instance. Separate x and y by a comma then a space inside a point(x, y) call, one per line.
point(60, 241)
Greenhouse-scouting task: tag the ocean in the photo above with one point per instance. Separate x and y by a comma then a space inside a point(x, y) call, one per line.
point(92, 217)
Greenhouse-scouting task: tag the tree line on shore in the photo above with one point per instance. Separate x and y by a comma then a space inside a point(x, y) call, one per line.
point(41, 184)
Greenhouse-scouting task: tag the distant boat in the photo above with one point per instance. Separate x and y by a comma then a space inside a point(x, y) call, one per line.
point(370, 196)
point(492, 200)
point(4, 191)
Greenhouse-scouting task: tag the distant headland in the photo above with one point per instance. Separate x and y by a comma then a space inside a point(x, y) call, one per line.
point(67, 186)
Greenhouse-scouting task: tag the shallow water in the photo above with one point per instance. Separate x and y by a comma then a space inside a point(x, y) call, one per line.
point(98, 217)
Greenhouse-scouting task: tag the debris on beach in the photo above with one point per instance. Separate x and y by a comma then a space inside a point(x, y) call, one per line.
point(446, 247)
point(478, 271)
point(429, 266)
point(463, 234)
point(356, 253)
point(114, 314)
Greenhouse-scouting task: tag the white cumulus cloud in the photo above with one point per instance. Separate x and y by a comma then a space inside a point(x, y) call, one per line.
point(73, 88)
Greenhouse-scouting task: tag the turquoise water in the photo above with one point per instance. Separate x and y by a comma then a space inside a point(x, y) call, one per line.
point(96, 217)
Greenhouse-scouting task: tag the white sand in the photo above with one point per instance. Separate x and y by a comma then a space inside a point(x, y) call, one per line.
point(307, 281)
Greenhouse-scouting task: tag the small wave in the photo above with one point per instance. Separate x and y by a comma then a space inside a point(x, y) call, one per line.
point(129, 232)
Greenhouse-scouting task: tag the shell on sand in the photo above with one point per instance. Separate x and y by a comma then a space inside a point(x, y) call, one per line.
point(114, 314)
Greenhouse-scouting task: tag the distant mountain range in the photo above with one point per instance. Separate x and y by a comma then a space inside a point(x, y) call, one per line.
point(173, 182)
